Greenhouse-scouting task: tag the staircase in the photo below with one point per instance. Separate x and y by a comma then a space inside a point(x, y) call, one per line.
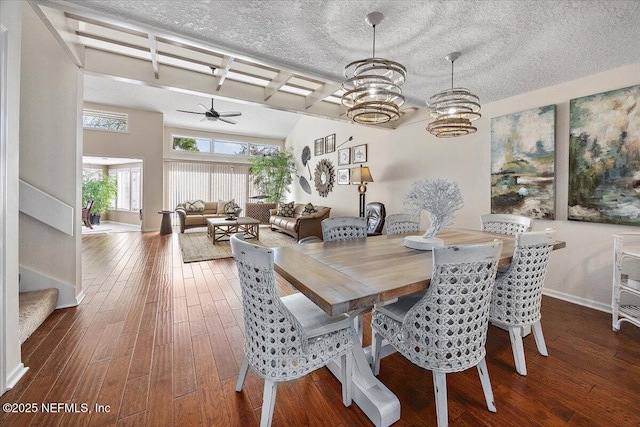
point(34, 308)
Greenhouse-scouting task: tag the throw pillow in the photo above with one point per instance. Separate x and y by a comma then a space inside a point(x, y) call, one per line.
point(308, 209)
point(194, 205)
point(221, 203)
point(285, 209)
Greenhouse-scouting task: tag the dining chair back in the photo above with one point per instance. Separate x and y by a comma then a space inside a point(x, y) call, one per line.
point(343, 228)
point(506, 223)
point(402, 223)
point(375, 214)
point(444, 329)
point(517, 294)
point(285, 338)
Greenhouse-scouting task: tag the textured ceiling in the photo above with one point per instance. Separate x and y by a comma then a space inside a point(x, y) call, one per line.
point(509, 47)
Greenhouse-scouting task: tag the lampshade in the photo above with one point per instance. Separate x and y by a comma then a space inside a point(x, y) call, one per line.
point(361, 174)
point(372, 91)
point(453, 109)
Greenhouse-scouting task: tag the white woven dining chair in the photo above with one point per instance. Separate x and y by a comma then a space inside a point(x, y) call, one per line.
point(402, 223)
point(444, 330)
point(343, 228)
point(285, 338)
point(517, 294)
point(505, 223)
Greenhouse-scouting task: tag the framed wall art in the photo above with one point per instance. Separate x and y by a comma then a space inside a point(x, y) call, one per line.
point(330, 143)
point(343, 176)
point(344, 156)
point(604, 163)
point(359, 153)
point(318, 147)
point(522, 163)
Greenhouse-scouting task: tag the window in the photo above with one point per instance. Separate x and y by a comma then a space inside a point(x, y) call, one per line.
point(92, 173)
point(129, 189)
point(105, 120)
point(226, 148)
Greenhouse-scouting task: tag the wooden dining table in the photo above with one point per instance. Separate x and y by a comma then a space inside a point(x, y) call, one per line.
point(351, 276)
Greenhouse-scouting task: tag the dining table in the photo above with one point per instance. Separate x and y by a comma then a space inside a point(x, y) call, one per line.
point(351, 276)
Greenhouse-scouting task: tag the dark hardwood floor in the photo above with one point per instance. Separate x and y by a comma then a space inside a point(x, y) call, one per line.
point(159, 342)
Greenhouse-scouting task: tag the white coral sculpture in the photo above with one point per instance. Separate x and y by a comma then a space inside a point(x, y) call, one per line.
point(439, 197)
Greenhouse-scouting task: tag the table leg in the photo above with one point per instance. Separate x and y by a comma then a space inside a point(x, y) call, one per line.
point(372, 397)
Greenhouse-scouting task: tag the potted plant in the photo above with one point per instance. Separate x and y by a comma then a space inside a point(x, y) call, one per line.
point(101, 191)
point(273, 174)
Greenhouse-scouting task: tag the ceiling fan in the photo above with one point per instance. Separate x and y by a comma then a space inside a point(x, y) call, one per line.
point(213, 115)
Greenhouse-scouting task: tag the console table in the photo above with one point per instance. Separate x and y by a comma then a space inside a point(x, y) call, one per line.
point(260, 211)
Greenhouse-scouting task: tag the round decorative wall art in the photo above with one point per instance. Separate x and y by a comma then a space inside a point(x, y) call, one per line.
point(324, 177)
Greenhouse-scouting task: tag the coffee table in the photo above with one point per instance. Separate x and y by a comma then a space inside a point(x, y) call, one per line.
point(219, 229)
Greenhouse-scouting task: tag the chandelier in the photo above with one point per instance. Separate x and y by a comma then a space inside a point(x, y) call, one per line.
point(453, 109)
point(372, 91)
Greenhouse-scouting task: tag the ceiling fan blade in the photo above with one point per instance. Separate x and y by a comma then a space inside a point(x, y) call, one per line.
point(205, 118)
point(203, 107)
point(231, 122)
point(230, 114)
point(190, 112)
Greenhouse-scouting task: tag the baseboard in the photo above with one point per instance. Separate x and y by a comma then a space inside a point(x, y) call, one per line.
point(15, 375)
point(578, 300)
point(31, 280)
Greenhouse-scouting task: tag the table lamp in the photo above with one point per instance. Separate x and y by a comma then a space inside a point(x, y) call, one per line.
point(361, 176)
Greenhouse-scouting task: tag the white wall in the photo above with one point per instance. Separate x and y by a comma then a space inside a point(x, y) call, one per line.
point(143, 141)
point(50, 143)
point(581, 273)
point(11, 367)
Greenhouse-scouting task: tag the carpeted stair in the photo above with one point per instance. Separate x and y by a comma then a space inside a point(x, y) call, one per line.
point(35, 307)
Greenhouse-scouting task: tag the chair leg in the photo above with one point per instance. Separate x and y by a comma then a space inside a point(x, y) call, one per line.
point(243, 373)
point(440, 389)
point(268, 402)
point(347, 378)
point(376, 347)
point(486, 384)
point(358, 325)
point(515, 334)
point(537, 334)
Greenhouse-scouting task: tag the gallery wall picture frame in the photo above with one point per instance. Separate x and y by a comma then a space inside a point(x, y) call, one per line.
point(330, 143)
point(359, 153)
point(344, 156)
point(343, 176)
point(523, 163)
point(318, 147)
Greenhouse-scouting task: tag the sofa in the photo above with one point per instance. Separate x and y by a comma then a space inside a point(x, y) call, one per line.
point(192, 217)
point(301, 224)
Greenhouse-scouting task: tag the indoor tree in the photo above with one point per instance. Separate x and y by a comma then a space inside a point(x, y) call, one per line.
point(101, 191)
point(273, 174)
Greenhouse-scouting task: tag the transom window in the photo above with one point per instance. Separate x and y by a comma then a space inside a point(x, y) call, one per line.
point(105, 120)
point(227, 148)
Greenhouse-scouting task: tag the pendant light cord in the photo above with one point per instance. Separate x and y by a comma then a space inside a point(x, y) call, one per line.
point(452, 74)
point(374, 41)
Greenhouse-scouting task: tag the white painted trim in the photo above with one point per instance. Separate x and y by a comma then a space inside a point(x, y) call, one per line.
point(46, 209)
point(15, 375)
point(577, 300)
point(33, 281)
point(4, 47)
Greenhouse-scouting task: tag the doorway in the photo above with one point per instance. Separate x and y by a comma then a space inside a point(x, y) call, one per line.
point(122, 211)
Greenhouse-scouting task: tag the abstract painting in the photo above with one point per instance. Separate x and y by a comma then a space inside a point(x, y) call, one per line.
point(523, 163)
point(604, 157)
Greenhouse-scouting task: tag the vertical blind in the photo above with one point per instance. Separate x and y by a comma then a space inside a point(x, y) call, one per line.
point(208, 181)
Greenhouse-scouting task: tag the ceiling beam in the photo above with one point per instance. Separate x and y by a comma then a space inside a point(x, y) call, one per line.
point(280, 80)
point(224, 69)
point(154, 55)
point(60, 27)
point(137, 71)
point(321, 93)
